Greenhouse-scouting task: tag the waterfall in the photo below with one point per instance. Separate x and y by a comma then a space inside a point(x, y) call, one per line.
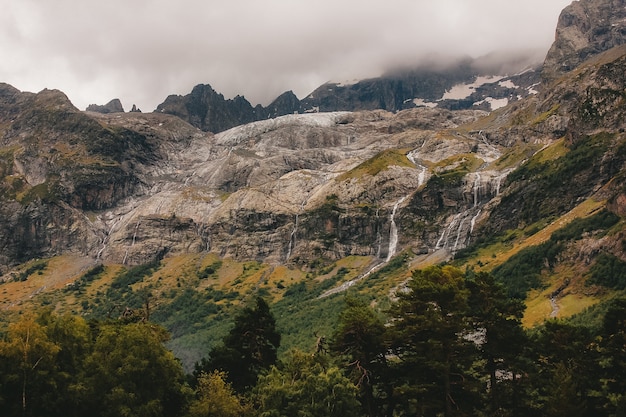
point(499, 181)
point(458, 230)
point(292, 236)
point(421, 177)
point(411, 157)
point(393, 243)
point(133, 242)
point(473, 221)
point(458, 233)
point(378, 236)
point(476, 189)
point(135, 233)
point(105, 239)
point(447, 231)
point(393, 230)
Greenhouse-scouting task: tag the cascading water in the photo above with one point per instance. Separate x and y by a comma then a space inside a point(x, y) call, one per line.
point(105, 239)
point(133, 242)
point(476, 189)
point(422, 176)
point(292, 236)
point(393, 243)
point(378, 237)
point(473, 221)
point(443, 240)
point(393, 231)
point(482, 186)
point(459, 232)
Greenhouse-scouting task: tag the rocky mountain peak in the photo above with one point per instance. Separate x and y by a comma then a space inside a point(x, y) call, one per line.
point(209, 110)
point(284, 104)
point(585, 28)
point(113, 106)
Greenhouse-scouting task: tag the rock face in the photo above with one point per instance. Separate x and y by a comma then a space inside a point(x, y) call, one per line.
point(113, 106)
point(129, 188)
point(585, 28)
point(208, 110)
point(56, 165)
point(286, 103)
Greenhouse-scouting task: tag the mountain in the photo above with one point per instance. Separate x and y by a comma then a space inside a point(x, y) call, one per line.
point(107, 211)
point(485, 83)
point(584, 29)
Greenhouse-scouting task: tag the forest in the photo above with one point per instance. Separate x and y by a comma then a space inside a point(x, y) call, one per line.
point(451, 343)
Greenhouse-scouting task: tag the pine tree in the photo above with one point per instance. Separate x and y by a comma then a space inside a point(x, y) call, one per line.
point(428, 332)
point(496, 320)
point(360, 341)
point(247, 349)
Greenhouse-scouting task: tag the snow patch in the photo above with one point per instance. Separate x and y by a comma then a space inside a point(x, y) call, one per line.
point(420, 102)
point(347, 83)
point(494, 103)
point(461, 91)
point(497, 103)
point(531, 89)
point(507, 84)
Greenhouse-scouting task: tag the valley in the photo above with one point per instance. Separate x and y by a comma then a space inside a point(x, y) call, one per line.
point(505, 203)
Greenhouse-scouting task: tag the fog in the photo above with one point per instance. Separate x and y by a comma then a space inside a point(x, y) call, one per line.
point(143, 50)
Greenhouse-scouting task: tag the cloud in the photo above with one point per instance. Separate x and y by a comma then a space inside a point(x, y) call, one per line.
point(144, 50)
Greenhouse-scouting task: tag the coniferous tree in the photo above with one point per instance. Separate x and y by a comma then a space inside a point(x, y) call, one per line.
point(613, 359)
point(360, 341)
point(499, 335)
point(428, 329)
point(563, 351)
point(250, 347)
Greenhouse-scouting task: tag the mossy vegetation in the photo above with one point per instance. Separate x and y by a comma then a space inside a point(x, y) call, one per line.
point(545, 115)
point(47, 192)
point(523, 271)
point(609, 271)
point(451, 171)
point(35, 267)
point(514, 156)
point(553, 181)
point(381, 162)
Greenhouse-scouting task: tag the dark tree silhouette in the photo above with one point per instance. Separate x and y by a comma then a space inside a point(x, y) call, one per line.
point(249, 348)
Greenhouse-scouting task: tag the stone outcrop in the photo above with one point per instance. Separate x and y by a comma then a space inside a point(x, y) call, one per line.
point(208, 110)
point(113, 106)
point(585, 28)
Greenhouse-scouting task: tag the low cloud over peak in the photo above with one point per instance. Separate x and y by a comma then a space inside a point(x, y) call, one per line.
point(142, 51)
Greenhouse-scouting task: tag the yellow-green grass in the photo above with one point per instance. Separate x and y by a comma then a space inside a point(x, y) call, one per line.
point(59, 272)
point(545, 115)
point(380, 162)
point(498, 253)
point(539, 307)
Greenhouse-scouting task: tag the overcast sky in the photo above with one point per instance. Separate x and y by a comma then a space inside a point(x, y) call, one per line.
point(140, 51)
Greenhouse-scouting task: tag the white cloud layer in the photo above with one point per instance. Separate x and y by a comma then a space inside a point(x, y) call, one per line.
point(142, 50)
